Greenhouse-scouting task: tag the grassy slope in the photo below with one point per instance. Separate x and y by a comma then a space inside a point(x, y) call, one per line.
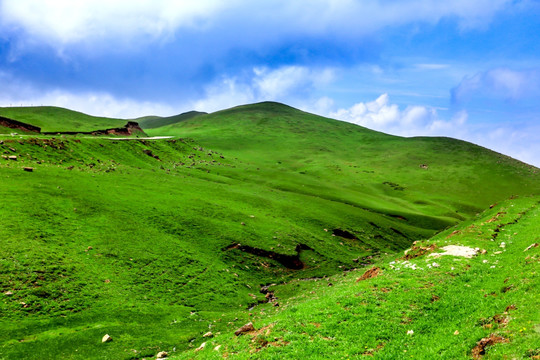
point(50, 119)
point(156, 275)
point(343, 162)
point(449, 307)
point(152, 122)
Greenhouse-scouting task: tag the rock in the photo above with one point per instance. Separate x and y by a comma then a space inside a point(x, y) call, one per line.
point(106, 338)
point(8, 293)
point(28, 169)
point(531, 246)
point(371, 273)
point(410, 332)
point(201, 347)
point(456, 332)
point(12, 157)
point(208, 334)
point(162, 355)
point(244, 329)
point(217, 348)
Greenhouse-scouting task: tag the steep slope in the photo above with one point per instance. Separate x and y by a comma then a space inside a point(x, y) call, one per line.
point(51, 119)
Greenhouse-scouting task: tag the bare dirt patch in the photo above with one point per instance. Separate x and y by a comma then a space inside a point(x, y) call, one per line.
point(371, 273)
point(481, 346)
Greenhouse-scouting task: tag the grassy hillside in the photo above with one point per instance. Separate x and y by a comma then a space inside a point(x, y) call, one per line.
point(152, 122)
point(157, 241)
point(51, 119)
point(415, 307)
point(342, 162)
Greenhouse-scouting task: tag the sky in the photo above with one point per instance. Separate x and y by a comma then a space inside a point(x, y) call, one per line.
point(458, 68)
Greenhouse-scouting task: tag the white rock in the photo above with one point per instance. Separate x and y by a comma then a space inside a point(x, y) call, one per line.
point(106, 338)
point(410, 332)
point(161, 355)
point(217, 348)
point(201, 347)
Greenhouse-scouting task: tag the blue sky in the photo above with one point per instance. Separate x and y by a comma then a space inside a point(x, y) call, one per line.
point(461, 68)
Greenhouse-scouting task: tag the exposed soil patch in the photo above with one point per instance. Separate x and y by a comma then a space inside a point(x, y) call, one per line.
point(344, 234)
point(481, 347)
point(496, 217)
point(417, 251)
point(129, 129)
point(14, 124)
point(371, 273)
point(292, 262)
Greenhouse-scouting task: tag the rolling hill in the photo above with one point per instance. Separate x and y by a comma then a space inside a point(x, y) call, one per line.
point(156, 242)
point(52, 119)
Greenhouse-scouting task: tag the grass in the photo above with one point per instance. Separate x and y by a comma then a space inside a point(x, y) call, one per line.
point(136, 238)
point(152, 122)
point(52, 119)
point(440, 308)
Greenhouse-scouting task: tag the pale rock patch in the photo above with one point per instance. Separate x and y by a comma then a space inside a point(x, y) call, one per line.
point(457, 250)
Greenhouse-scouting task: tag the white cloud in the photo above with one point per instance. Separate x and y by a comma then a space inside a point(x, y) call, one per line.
point(521, 142)
point(15, 92)
point(383, 116)
point(286, 84)
point(65, 22)
point(499, 83)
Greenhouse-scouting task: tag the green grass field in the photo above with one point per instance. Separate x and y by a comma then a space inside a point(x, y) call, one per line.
point(52, 119)
point(156, 242)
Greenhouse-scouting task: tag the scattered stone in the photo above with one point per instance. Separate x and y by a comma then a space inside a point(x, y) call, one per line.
point(510, 307)
point(371, 273)
point(217, 348)
point(28, 169)
point(106, 338)
point(531, 246)
point(208, 334)
point(480, 349)
point(162, 355)
point(410, 332)
point(456, 250)
point(243, 223)
point(456, 332)
point(201, 347)
point(8, 293)
point(244, 329)
point(12, 149)
point(12, 157)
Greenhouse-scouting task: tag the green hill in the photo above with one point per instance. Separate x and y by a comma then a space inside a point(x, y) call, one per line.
point(152, 122)
point(414, 305)
point(52, 119)
point(156, 242)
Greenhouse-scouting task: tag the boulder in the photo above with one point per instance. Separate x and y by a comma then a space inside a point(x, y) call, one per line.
point(244, 329)
point(162, 355)
point(106, 338)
